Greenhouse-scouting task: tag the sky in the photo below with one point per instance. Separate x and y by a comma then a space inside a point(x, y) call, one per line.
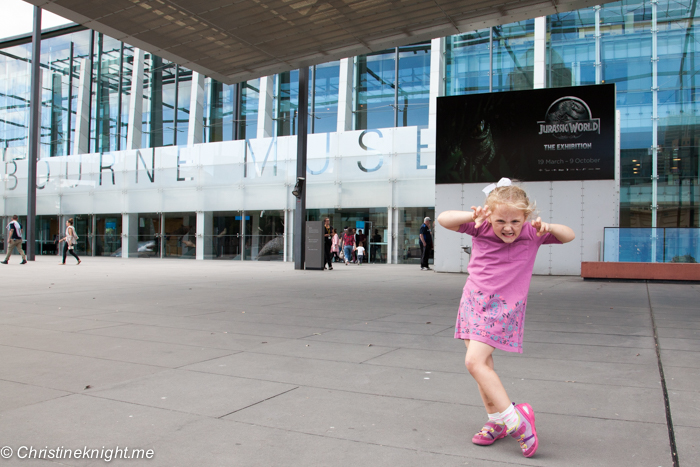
point(16, 18)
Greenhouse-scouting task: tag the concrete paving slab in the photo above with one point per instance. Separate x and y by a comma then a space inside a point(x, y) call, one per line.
point(55, 323)
point(123, 350)
point(196, 393)
point(552, 369)
point(692, 334)
point(685, 407)
point(332, 351)
point(16, 395)
point(203, 324)
point(77, 421)
point(589, 327)
point(681, 358)
point(66, 372)
point(683, 379)
point(192, 337)
point(688, 444)
point(674, 343)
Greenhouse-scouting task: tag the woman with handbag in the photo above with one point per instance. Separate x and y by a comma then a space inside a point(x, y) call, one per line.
point(71, 240)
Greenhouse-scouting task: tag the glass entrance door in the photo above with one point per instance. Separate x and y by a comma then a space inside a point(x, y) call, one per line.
point(180, 235)
point(226, 235)
point(149, 236)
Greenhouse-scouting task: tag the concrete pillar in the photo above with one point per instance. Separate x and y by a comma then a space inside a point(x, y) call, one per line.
point(265, 107)
point(82, 119)
point(135, 123)
point(437, 78)
point(130, 235)
point(540, 65)
point(205, 229)
point(243, 242)
point(345, 94)
point(195, 131)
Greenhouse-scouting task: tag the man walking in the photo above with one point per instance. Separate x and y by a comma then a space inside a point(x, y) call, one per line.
point(426, 244)
point(15, 240)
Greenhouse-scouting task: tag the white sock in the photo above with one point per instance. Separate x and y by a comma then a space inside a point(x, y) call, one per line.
point(510, 418)
point(496, 418)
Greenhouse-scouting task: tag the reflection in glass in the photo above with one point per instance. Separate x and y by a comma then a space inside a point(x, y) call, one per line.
point(180, 235)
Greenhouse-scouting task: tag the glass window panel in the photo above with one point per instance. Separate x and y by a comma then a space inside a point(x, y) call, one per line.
point(248, 123)
point(325, 95)
point(414, 85)
point(513, 56)
point(467, 63)
point(374, 90)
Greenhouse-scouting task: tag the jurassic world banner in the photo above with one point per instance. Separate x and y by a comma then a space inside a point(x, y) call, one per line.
point(535, 135)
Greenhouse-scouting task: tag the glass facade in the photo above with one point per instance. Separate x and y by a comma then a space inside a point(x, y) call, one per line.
point(384, 99)
point(365, 165)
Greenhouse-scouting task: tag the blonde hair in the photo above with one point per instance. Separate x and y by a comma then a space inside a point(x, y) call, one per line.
point(512, 196)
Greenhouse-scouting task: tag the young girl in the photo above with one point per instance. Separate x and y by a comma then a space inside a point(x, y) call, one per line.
point(492, 310)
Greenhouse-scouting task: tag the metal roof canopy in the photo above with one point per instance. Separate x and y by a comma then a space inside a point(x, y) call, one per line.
point(233, 41)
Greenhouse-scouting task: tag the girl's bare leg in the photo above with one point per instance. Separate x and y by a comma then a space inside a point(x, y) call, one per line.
point(490, 407)
point(479, 362)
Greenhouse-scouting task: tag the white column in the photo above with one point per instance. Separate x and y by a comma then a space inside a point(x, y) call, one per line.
point(205, 228)
point(540, 65)
point(437, 78)
point(130, 233)
point(390, 241)
point(82, 119)
point(284, 235)
point(242, 235)
point(195, 130)
point(135, 123)
point(265, 107)
point(345, 94)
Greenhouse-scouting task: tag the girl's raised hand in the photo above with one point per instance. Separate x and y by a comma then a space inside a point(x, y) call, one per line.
point(541, 227)
point(480, 215)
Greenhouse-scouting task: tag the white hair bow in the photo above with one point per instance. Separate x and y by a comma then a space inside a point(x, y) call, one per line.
point(502, 182)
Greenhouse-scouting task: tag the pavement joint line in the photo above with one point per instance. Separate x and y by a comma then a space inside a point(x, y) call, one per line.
point(444, 337)
point(86, 332)
point(108, 359)
point(667, 404)
point(443, 330)
point(259, 402)
point(68, 391)
point(208, 360)
point(385, 353)
point(515, 377)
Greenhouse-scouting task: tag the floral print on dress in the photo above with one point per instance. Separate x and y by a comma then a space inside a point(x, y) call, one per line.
point(488, 319)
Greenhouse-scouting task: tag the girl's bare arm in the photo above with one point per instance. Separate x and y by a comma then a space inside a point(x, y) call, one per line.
point(563, 233)
point(451, 220)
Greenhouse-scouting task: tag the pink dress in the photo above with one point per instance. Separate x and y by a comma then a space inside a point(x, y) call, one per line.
point(492, 309)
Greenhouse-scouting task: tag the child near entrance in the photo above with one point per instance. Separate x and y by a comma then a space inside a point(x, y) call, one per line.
point(492, 310)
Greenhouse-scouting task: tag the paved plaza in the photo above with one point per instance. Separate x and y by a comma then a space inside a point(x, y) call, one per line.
point(224, 363)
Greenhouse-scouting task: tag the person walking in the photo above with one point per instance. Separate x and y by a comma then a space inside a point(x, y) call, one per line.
point(426, 244)
point(15, 240)
point(348, 245)
point(492, 309)
point(327, 244)
point(335, 246)
point(71, 240)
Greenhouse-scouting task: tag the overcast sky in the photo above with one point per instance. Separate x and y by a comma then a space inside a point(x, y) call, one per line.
point(16, 18)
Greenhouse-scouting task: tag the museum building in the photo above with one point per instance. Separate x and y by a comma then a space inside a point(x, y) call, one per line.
point(154, 160)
